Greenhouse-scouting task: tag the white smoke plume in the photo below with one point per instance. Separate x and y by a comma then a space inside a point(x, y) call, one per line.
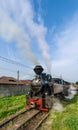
point(17, 22)
point(71, 92)
point(9, 30)
point(57, 105)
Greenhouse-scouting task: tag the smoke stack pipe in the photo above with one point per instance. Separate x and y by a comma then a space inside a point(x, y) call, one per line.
point(38, 69)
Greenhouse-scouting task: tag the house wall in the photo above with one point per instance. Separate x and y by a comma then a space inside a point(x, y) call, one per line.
point(9, 90)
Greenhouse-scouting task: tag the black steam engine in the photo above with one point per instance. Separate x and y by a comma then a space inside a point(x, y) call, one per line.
point(43, 89)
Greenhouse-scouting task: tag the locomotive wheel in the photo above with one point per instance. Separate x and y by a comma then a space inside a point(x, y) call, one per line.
point(48, 102)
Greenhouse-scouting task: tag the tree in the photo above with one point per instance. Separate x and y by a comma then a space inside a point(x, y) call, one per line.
point(77, 82)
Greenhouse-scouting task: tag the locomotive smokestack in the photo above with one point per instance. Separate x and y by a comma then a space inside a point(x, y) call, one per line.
point(38, 69)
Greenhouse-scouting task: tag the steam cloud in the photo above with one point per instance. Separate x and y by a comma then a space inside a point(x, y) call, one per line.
point(71, 92)
point(57, 105)
point(9, 30)
point(17, 23)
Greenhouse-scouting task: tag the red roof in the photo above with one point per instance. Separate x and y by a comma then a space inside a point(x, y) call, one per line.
point(26, 81)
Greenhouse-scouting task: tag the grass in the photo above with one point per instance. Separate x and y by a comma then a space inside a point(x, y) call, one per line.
point(63, 120)
point(10, 105)
point(68, 119)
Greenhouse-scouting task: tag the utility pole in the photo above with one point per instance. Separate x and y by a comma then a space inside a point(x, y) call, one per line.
point(18, 75)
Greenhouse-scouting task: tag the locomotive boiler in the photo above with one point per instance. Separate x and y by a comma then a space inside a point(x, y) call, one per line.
point(42, 90)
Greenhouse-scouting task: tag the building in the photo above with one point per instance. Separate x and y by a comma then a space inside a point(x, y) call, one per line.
point(11, 86)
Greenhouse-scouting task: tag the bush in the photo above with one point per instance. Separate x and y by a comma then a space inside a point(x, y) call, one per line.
point(77, 83)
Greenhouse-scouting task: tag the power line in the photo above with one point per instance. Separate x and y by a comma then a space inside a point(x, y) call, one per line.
point(14, 71)
point(13, 62)
point(7, 69)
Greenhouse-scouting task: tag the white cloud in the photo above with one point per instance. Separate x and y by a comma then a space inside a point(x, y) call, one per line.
point(23, 14)
point(19, 22)
point(67, 50)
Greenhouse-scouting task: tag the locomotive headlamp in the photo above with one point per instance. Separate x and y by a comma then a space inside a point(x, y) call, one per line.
point(46, 93)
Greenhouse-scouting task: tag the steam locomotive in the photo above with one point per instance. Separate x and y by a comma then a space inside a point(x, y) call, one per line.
point(42, 90)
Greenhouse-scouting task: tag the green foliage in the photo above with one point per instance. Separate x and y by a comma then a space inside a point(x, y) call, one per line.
point(71, 122)
point(70, 101)
point(77, 83)
point(9, 105)
point(9, 112)
point(68, 119)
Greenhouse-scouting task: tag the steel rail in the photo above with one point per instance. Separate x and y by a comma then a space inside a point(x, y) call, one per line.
point(15, 120)
point(35, 122)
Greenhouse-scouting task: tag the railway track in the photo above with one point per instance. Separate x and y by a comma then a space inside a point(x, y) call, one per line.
point(14, 122)
point(35, 122)
point(27, 120)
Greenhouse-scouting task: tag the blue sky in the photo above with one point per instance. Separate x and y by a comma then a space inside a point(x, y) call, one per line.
point(39, 32)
